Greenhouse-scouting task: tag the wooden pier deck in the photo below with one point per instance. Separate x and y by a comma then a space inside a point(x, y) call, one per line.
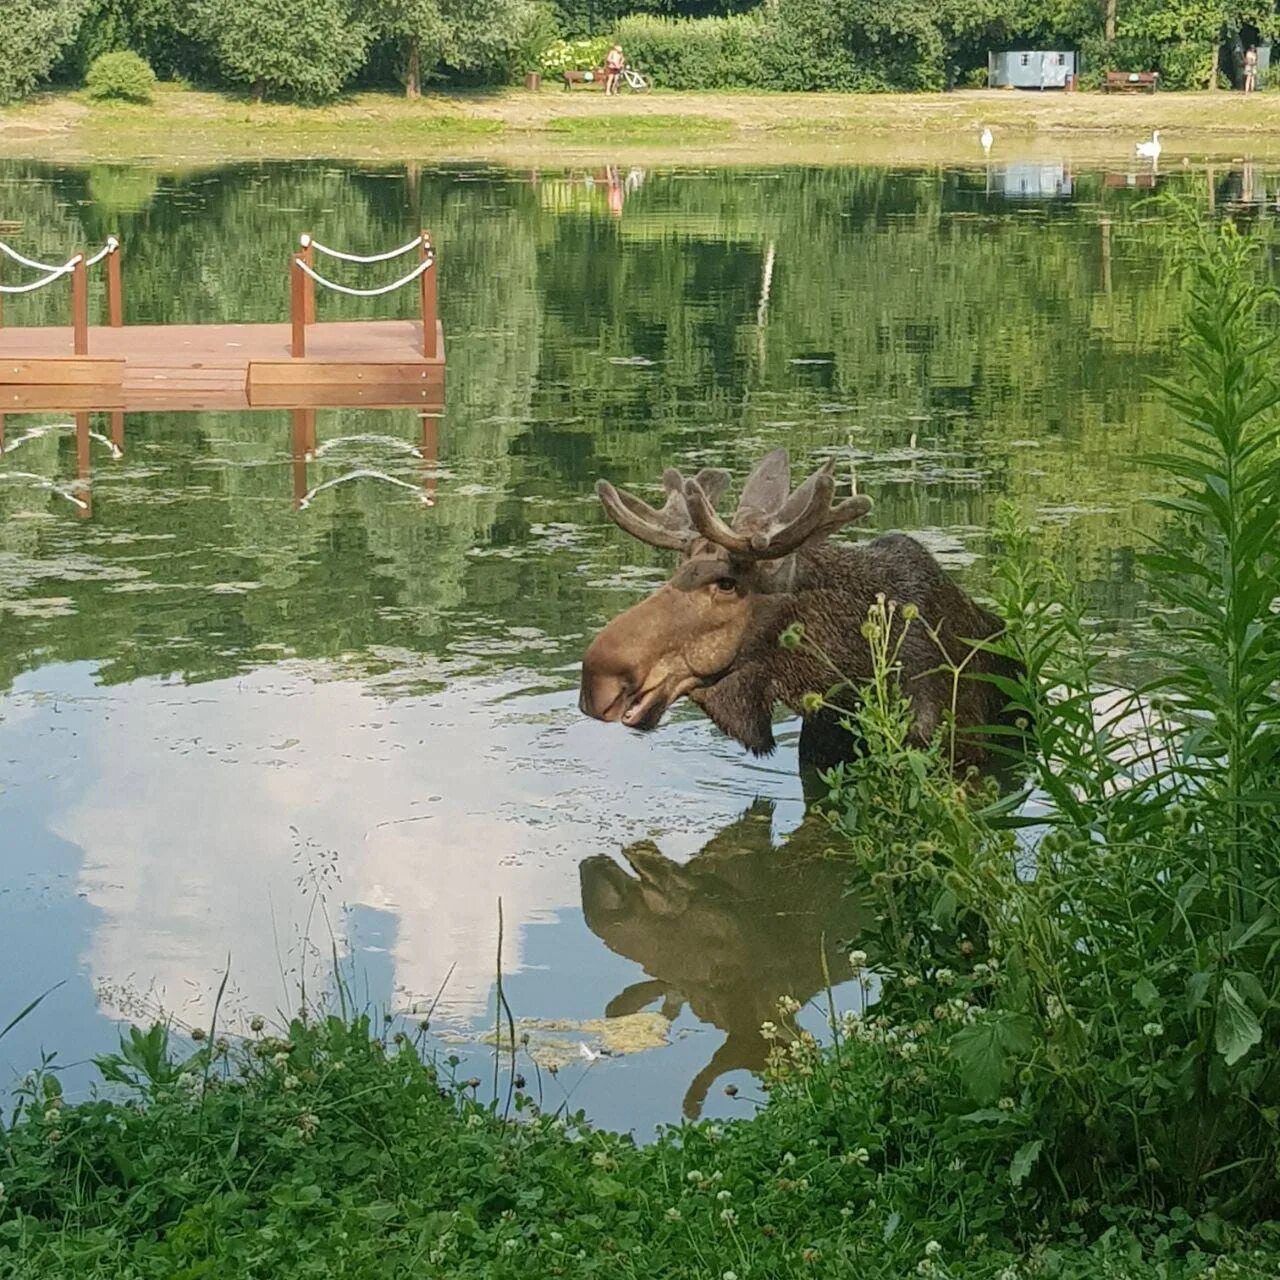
point(298, 365)
point(136, 368)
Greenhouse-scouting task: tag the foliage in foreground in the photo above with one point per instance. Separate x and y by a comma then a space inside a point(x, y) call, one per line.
point(329, 1152)
point(32, 35)
point(1106, 997)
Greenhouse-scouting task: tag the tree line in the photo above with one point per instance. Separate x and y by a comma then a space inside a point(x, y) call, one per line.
point(312, 50)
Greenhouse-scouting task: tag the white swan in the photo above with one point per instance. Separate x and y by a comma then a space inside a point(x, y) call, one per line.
point(1152, 148)
point(986, 138)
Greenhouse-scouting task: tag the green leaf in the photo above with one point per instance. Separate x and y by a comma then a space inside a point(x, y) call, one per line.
point(1145, 993)
point(1024, 1160)
point(1236, 1028)
point(985, 1053)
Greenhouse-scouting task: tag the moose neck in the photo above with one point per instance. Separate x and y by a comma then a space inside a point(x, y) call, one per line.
point(834, 589)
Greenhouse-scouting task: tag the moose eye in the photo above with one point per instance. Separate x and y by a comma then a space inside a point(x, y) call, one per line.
point(726, 585)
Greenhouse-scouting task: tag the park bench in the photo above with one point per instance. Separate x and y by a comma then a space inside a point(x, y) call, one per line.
point(592, 76)
point(1131, 81)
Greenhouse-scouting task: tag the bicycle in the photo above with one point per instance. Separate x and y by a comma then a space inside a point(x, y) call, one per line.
point(634, 80)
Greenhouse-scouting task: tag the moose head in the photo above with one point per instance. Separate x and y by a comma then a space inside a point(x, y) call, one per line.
point(711, 632)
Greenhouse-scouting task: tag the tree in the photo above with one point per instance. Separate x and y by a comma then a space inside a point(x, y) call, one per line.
point(1203, 25)
point(468, 35)
point(307, 49)
point(33, 33)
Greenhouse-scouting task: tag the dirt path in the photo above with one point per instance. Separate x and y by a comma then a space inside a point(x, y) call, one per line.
point(185, 127)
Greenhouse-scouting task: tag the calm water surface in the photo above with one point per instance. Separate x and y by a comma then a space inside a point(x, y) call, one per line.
point(238, 729)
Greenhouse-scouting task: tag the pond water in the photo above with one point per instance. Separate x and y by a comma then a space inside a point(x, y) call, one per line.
point(239, 732)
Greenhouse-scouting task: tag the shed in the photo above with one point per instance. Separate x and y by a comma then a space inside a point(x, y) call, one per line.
point(1031, 69)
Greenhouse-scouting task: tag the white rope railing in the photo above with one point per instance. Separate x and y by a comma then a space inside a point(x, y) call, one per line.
point(110, 247)
point(307, 242)
point(37, 433)
point(387, 442)
point(55, 273)
point(427, 262)
point(363, 474)
point(41, 483)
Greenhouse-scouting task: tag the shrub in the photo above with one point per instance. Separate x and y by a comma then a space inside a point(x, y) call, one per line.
point(33, 34)
point(120, 75)
point(701, 53)
point(304, 49)
point(573, 55)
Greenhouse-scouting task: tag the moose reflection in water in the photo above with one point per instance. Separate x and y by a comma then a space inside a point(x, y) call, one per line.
point(712, 632)
point(738, 926)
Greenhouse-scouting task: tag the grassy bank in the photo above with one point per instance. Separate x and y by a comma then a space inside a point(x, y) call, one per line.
point(515, 126)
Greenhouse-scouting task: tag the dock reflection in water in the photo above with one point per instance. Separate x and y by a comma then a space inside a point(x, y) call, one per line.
point(728, 933)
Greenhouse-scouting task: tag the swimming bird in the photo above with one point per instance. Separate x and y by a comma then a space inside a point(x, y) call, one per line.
point(986, 139)
point(1152, 148)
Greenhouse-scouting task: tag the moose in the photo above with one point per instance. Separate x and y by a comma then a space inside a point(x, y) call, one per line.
point(712, 632)
point(728, 933)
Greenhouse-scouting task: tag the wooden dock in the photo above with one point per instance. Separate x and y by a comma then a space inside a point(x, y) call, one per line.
point(298, 364)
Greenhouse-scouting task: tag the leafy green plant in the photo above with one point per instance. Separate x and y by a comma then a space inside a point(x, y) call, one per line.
point(573, 55)
point(33, 34)
point(120, 75)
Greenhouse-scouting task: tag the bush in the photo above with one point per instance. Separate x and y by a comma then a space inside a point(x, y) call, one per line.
point(303, 49)
point(33, 34)
point(701, 53)
point(573, 55)
point(120, 75)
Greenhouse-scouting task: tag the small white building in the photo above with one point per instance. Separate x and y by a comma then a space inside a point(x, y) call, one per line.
point(1031, 69)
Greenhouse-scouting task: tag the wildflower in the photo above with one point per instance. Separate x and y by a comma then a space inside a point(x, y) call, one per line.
point(51, 1115)
point(729, 1275)
point(788, 1005)
point(932, 1249)
point(1153, 1030)
point(600, 1159)
point(857, 961)
point(291, 1082)
point(54, 1136)
point(911, 981)
point(788, 1158)
point(257, 1022)
point(811, 702)
point(982, 970)
point(909, 1049)
point(792, 636)
point(280, 1060)
point(475, 1122)
point(728, 1217)
point(511, 1245)
point(673, 1214)
point(722, 1196)
point(768, 1030)
point(944, 977)
point(308, 1122)
point(1006, 1104)
point(860, 1155)
point(555, 1237)
point(1009, 1273)
point(808, 1255)
point(695, 1176)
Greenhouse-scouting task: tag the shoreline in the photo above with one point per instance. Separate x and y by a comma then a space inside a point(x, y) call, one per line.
point(192, 128)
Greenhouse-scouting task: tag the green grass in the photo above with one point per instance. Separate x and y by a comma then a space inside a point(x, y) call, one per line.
point(639, 128)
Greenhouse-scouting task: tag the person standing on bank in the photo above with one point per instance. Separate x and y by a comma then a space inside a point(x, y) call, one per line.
point(613, 65)
point(1250, 69)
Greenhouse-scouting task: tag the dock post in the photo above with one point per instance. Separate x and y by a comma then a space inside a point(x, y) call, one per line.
point(299, 454)
point(298, 307)
point(309, 257)
point(83, 461)
point(117, 429)
point(80, 308)
point(115, 297)
point(427, 288)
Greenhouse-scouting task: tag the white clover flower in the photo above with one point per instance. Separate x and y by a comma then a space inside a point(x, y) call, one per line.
point(722, 1196)
point(555, 1237)
point(1006, 1104)
point(475, 1122)
point(981, 970)
point(857, 961)
point(673, 1214)
point(788, 1158)
point(768, 1030)
point(932, 1249)
point(1153, 1030)
point(729, 1275)
point(280, 1060)
point(728, 1217)
point(1053, 1007)
point(600, 1159)
point(944, 977)
point(909, 1049)
point(511, 1245)
point(291, 1082)
point(787, 1005)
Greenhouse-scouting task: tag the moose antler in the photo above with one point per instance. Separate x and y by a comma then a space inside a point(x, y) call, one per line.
point(769, 524)
point(771, 521)
point(671, 527)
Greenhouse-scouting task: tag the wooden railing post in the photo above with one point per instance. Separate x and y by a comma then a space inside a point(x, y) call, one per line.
point(298, 307)
point(80, 308)
point(298, 454)
point(117, 429)
point(309, 257)
point(83, 461)
point(115, 295)
point(427, 289)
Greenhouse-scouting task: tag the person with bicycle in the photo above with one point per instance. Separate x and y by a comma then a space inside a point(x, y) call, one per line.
point(613, 65)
